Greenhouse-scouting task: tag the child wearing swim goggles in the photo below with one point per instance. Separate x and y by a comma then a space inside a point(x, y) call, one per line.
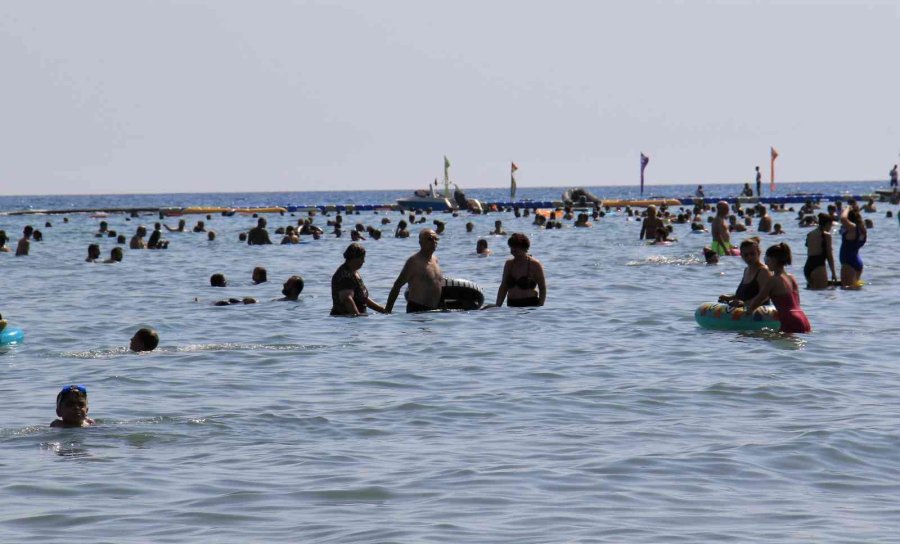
point(72, 407)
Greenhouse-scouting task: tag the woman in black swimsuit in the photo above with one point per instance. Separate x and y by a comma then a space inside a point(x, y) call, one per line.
point(819, 252)
point(521, 276)
point(755, 275)
point(349, 295)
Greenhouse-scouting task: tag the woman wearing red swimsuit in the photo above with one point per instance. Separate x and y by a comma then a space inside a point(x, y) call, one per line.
point(782, 289)
point(521, 276)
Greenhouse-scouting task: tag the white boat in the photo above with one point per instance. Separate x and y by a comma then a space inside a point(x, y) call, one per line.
point(429, 198)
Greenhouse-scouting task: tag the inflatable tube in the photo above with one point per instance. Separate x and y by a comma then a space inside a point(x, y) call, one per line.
point(204, 210)
point(641, 203)
point(460, 294)
point(274, 209)
point(10, 336)
point(457, 294)
point(722, 317)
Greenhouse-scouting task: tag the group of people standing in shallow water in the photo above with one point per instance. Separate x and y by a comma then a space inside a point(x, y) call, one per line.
point(523, 284)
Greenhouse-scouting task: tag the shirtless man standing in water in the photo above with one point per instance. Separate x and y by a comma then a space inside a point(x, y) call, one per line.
point(423, 274)
point(721, 238)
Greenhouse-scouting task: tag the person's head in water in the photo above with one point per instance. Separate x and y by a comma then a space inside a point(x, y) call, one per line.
point(292, 288)
point(28, 231)
point(710, 255)
point(261, 222)
point(242, 237)
point(120, 239)
point(4, 238)
point(218, 280)
point(116, 255)
point(211, 236)
point(778, 255)
point(145, 339)
point(72, 407)
point(428, 240)
point(93, 252)
point(470, 226)
point(481, 247)
point(259, 275)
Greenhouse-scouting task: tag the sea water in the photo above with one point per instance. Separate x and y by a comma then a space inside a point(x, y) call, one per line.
point(607, 415)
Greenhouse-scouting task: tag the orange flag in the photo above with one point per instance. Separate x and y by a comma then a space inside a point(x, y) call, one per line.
point(772, 172)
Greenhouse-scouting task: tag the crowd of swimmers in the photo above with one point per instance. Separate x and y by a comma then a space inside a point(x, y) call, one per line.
point(764, 279)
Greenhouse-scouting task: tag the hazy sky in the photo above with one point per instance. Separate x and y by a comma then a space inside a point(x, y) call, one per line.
point(210, 95)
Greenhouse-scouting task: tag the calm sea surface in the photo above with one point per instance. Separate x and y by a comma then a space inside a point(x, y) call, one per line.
point(606, 416)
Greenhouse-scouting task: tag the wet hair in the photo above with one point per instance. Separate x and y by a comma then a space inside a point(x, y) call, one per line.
point(259, 275)
point(116, 254)
point(295, 282)
point(121, 239)
point(780, 253)
point(242, 237)
point(94, 250)
point(825, 220)
point(217, 280)
point(28, 230)
point(4, 238)
point(517, 239)
point(149, 338)
point(211, 235)
point(354, 251)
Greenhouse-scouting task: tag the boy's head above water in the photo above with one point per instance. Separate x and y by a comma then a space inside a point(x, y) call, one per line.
point(72, 407)
point(145, 339)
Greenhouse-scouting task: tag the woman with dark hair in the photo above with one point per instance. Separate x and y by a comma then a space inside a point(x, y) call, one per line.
point(755, 275)
point(349, 295)
point(853, 237)
point(782, 289)
point(522, 274)
point(819, 253)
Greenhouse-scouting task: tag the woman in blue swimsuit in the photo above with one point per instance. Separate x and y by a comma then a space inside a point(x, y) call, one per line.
point(853, 237)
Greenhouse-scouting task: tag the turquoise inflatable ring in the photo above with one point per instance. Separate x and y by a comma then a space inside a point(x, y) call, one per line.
point(10, 336)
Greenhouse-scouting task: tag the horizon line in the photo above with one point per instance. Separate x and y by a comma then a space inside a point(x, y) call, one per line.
point(646, 185)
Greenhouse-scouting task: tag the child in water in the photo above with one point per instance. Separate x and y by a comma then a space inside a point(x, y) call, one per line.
point(72, 408)
point(145, 339)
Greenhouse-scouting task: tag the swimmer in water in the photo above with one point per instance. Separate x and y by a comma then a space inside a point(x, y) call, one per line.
point(258, 235)
point(819, 253)
point(782, 289)
point(765, 220)
point(145, 339)
point(498, 229)
point(754, 278)
point(349, 295)
point(93, 253)
point(777, 229)
point(710, 255)
point(292, 288)
point(218, 280)
point(24, 245)
point(721, 238)
point(3, 239)
point(651, 224)
point(259, 275)
point(115, 256)
point(72, 408)
point(423, 274)
point(179, 228)
point(853, 237)
point(481, 248)
point(137, 241)
point(522, 274)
